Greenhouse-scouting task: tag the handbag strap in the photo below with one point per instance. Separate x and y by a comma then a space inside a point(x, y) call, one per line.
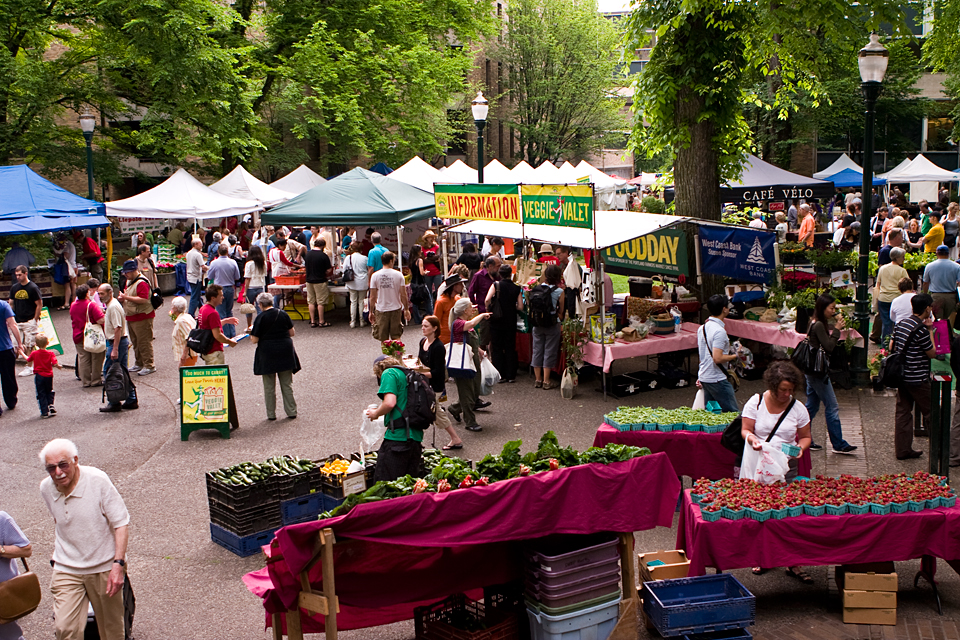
point(909, 338)
point(782, 417)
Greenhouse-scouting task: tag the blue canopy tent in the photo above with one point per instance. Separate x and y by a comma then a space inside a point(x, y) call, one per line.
point(32, 204)
point(381, 168)
point(852, 178)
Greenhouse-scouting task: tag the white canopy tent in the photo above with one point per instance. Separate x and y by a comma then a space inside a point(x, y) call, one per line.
point(841, 163)
point(496, 173)
point(298, 181)
point(900, 167)
point(459, 173)
point(239, 183)
point(524, 173)
point(548, 173)
point(181, 197)
point(920, 169)
point(417, 173)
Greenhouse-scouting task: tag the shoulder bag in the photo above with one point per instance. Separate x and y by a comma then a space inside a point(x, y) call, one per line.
point(460, 359)
point(732, 438)
point(496, 312)
point(200, 341)
point(348, 274)
point(20, 595)
point(810, 361)
point(94, 340)
point(732, 376)
point(891, 368)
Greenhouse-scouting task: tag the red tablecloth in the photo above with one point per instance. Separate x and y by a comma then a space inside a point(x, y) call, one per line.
point(821, 540)
point(770, 333)
point(410, 551)
point(692, 453)
point(604, 355)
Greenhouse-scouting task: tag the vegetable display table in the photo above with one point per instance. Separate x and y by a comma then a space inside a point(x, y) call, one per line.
point(816, 540)
point(692, 453)
point(397, 554)
point(603, 355)
point(770, 333)
point(289, 291)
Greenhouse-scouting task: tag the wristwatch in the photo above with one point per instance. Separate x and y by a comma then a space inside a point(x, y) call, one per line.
point(120, 562)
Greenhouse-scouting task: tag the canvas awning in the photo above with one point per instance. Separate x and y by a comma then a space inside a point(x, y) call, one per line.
point(613, 227)
point(459, 173)
point(33, 204)
point(356, 197)
point(841, 163)
point(239, 183)
point(763, 181)
point(181, 197)
point(851, 178)
point(920, 169)
point(417, 173)
point(299, 180)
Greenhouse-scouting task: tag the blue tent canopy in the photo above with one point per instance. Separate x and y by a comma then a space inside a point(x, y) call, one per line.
point(381, 168)
point(32, 204)
point(852, 178)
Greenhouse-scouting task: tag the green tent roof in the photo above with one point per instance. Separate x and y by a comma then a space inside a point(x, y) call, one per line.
point(358, 197)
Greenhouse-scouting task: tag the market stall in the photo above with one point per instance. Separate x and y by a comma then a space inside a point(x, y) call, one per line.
point(298, 181)
point(240, 184)
point(32, 204)
point(181, 197)
point(603, 355)
point(776, 334)
point(460, 541)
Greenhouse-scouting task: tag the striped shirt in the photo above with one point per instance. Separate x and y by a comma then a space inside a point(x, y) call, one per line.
point(916, 364)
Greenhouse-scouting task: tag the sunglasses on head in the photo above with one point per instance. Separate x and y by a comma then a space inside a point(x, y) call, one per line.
point(63, 465)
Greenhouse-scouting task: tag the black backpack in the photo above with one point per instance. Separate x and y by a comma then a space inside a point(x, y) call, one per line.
point(156, 298)
point(116, 384)
point(420, 411)
point(200, 341)
point(543, 313)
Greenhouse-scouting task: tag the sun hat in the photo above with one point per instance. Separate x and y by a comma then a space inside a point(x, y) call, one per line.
point(545, 248)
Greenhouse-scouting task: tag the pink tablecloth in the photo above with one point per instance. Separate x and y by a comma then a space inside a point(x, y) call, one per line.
point(394, 555)
point(770, 333)
point(692, 453)
point(604, 355)
point(821, 540)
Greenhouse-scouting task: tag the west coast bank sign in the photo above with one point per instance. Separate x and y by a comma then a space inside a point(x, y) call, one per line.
point(553, 205)
point(740, 253)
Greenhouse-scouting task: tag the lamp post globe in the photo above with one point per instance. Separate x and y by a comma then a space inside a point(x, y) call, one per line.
point(480, 108)
point(88, 122)
point(872, 61)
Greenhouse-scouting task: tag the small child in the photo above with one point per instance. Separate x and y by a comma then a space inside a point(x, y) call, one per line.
point(43, 362)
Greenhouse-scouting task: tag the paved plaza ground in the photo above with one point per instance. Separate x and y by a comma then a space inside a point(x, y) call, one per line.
point(190, 588)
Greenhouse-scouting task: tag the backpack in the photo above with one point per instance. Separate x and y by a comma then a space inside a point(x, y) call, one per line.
point(420, 411)
point(200, 341)
point(116, 384)
point(543, 313)
point(156, 298)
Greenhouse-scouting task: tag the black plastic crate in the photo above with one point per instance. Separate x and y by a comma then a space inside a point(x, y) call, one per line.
point(334, 486)
point(245, 497)
point(296, 486)
point(247, 521)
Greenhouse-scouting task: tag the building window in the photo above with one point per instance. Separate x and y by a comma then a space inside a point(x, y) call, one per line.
point(499, 78)
point(486, 74)
point(500, 140)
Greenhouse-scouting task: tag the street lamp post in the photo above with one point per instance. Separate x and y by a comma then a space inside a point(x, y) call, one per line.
point(873, 66)
point(480, 108)
point(88, 123)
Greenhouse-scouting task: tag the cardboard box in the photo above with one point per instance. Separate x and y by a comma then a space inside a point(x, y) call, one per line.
point(869, 616)
point(869, 599)
point(675, 565)
point(875, 576)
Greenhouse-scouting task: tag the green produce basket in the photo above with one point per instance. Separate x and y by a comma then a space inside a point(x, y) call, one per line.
point(933, 503)
point(714, 407)
point(650, 426)
point(714, 428)
point(795, 510)
point(915, 506)
point(779, 514)
point(860, 509)
point(759, 516)
point(898, 507)
point(811, 510)
point(730, 514)
point(948, 502)
point(695, 427)
point(711, 516)
point(665, 428)
point(836, 510)
point(879, 509)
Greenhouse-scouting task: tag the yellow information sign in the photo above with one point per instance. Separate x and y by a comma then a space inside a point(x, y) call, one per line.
point(206, 400)
point(498, 202)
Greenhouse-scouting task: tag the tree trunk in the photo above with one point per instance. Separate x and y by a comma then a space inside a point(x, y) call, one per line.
point(696, 174)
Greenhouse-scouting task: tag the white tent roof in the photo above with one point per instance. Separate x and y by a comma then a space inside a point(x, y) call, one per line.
point(524, 173)
point(599, 179)
point(548, 173)
point(496, 173)
point(900, 167)
point(841, 163)
point(239, 183)
point(613, 227)
point(459, 172)
point(298, 181)
point(419, 174)
point(921, 170)
point(181, 197)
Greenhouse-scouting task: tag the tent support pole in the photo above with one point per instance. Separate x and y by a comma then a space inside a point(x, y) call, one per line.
point(603, 315)
point(443, 249)
point(400, 247)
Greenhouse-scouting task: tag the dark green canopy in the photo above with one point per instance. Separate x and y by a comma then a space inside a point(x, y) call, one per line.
point(358, 197)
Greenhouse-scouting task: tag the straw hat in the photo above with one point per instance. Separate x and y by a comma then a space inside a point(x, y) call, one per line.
point(545, 248)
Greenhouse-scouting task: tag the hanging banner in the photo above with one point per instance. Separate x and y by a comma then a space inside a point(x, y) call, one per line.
point(558, 205)
point(499, 202)
point(663, 252)
point(738, 253)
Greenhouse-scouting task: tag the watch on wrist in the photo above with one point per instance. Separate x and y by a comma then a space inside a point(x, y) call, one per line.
point(120, 562)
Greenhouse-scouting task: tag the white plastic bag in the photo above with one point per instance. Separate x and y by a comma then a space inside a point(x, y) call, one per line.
point(766, 466)
point(700, 402)
point(567, 385)
point(371, 430)
point(489, 377)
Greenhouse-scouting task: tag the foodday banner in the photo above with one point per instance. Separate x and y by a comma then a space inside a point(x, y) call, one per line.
point(559, 205)
point(739, 253)
point(498, 202)
point(662, 252)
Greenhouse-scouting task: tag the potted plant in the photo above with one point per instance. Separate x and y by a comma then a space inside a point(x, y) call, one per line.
point(804, 302)
point(826, 262)
point(572, 337)
point(793, 253)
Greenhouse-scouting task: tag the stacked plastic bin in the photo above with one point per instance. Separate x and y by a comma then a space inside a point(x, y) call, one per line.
point(572, 587)
point(713, 607)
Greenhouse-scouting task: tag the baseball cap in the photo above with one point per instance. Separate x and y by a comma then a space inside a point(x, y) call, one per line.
point(129, 265)
point(943, 249)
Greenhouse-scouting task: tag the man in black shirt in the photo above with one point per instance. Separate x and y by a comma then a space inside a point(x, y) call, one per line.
point(26, 302)
point(470, 258)
point(912, 337)
point(318, 292)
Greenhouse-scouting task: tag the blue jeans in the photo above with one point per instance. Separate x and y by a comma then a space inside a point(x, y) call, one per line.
point(432, 283)
point(821, 389)
point(196, 290)
point(722, 393)
point(122, 349)
point(225, 309)
point(887, 322)
point(44, 385)
point(252, 293)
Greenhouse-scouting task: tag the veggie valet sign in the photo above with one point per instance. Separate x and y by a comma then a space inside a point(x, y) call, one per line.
point(498, 202)
point(558, 205)
point(663, 252)
point(739, 253)
point(206, 401)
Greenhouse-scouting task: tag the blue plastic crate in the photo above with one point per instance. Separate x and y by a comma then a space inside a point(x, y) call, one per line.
point(330, 503)
point(302, 509)
point(732, 634)
point(698, 605)
point(243, 547)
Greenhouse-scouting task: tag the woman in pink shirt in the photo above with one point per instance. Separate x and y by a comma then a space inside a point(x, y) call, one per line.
point(89, 365)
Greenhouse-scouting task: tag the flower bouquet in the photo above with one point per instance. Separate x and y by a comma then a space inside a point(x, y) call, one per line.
point(392, 348)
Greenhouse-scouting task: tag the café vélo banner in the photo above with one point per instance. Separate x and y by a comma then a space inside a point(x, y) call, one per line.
point(498, 202)
point(663, 252)
point(559, 205)
point(739, 253)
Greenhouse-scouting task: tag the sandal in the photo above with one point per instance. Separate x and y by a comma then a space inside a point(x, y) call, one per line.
point(800, 575)
point(314, 325)
point(451, 447)
point(759, 571)
point(324, 324)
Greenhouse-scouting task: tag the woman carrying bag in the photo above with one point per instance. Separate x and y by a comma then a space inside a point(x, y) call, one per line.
point(14, 598)
point(468, 386)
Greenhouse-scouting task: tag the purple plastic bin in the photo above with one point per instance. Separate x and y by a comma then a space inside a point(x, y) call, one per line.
point(581, 592)
point(565, 552)
point(585, 572)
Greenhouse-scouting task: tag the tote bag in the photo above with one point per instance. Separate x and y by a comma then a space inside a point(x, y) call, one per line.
point(94, 340)
point(460, 360)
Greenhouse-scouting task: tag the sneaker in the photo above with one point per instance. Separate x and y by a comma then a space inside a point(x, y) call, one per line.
point(847, 450)
point(147, 371)
point(130, 405)
point(816, 447)
point(28, 371)
point(353, 325)
point(248, 330)
point(110, 408)
point(44, 416)
point(134, 368)
point(52, 409)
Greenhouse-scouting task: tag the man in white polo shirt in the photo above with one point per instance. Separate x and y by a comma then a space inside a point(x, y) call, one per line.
point(91, 542)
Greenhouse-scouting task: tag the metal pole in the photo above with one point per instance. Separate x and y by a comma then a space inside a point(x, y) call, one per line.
point(480, 125)
point(400, 247)
point(88, 136)
point(871, 91)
